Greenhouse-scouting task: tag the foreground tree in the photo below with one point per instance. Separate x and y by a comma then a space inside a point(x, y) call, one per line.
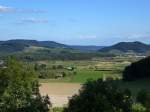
point(143, 97)
point(19, 89)
point(99, 96)
point(137, 70)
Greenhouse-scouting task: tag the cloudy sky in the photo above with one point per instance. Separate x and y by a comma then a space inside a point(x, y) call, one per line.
point(84, 22)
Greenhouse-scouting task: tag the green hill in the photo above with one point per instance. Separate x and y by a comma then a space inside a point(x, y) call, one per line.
point(32, 50)
point(12, 46)
point(124, 47)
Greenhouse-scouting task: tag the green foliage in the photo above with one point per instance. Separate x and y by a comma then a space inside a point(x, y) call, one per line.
point(143, 97)
point(59, 54)
point(138, 108)
point(137, 70)
point(51, 72)
point(19, 89)
point(99, 96)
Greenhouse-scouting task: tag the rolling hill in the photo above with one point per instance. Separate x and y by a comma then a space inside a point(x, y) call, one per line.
point(33, 50)
point(12, 46)
point(86, 48)
point(125, 47)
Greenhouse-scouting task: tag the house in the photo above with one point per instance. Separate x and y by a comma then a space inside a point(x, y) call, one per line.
point(2, 64)
point(70, 68)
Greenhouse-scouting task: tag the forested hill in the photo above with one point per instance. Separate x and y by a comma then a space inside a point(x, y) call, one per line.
point(123, 47)
point(19, 45)
point(11, 46)
point(44, 50)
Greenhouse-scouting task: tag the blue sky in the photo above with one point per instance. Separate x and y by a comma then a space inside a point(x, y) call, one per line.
point(80, 22)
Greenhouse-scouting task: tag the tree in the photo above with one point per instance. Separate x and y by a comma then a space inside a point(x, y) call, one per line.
point(137, 107)
point(143, 97)
point(99, 96)
point(19, 89)
point(137, 70)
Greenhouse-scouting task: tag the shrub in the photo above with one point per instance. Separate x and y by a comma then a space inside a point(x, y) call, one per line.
point(99, 96)
point(137, 70)
point(138, 108)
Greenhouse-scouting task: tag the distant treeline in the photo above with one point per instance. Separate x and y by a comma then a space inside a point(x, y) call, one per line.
point(62, 55)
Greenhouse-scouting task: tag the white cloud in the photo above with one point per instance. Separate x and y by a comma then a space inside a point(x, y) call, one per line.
point(33, 20)
point(4, 9)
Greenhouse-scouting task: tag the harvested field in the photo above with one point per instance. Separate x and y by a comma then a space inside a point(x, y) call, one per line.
point(59, 93)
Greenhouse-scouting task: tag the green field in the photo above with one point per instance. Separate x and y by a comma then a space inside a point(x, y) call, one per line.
point(85, 70)
point(82, 76)
point(95, 69)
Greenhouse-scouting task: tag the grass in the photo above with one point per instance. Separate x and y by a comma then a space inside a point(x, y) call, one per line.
point(82, 76)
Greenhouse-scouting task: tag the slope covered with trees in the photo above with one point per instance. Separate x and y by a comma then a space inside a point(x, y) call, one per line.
point(123, 47)
point(19, 45)
point(137, 70)
point(32, 50)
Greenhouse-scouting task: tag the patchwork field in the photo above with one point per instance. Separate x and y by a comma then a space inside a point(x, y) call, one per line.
point(86, 69)
point(61, 89)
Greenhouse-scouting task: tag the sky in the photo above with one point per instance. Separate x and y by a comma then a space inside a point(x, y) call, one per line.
point(76, 22)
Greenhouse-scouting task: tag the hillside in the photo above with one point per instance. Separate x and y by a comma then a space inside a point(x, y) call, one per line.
point(87, 48)
point(12, 46)
point(125, 47)
point(33, 50)
point(137, 70)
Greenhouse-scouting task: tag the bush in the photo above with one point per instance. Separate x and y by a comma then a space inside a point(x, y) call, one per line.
point(143, 97)
point(99, 96)
point(137, 70)
point(138, 108)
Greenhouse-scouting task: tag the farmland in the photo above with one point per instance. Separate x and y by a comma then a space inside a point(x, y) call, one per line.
point(88, 70)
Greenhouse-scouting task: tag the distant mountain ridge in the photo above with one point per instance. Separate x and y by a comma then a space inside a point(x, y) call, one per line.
point(49, 44)
point(136, 47)
point(20, 44)
point(12, 46)
point(16, 45)
point(33, 50)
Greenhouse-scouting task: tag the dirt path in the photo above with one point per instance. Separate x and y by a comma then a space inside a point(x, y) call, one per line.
point(59, 92)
